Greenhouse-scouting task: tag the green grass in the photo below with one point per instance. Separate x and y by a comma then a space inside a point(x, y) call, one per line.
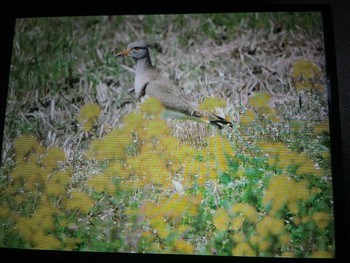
point(108, 186)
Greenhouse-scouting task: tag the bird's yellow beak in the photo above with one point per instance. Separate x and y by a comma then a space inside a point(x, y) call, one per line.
point(123, 53)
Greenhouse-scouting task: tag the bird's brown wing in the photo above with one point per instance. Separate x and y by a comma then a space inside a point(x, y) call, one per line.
point(172, 97)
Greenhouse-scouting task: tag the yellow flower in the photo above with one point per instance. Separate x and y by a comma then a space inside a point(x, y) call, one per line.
point(321, 219)
point(79, 200)
point(34, 228)
point(174, 207)
point(23, 145)
point(154, 129)
point(264, 226)
point(247, 211)
point(100, 183)
point(88, 114)
point(315, 190)
point(182, 246)
point(221, 219)
point(70, 243)
point(5, 212)
point(302, 191)
point(248, 117)
point(305, 219)
point(308, 167)
point(238, 238)
point(321, 254)
point(117, 170)
point(43, 241)
point(322, 127)
point(282, 190)
point(148, 236)
point(277, 226)
point(237, 223)
point(284, 239)
point(134, 121)
point(30, 173)
point(287, 254)
point(259, 99)
point(264, 245)
point(243, 249)
point(209, 104)
point(111, 146)
point(305, 73)
point(293, 207)
point(53, 155)
point(152, 107)
point(161, 227)
point(56, 184)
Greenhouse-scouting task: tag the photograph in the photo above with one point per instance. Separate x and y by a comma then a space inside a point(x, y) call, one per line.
point(191, 134)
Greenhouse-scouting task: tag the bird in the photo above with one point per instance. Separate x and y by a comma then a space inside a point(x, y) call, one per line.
point(148, 82)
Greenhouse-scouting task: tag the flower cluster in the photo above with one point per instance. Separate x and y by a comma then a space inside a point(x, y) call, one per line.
point(162, 195)
point(306, 75)
point(88, 115)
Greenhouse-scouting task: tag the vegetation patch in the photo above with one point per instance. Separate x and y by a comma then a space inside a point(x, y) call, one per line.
point(87, 167)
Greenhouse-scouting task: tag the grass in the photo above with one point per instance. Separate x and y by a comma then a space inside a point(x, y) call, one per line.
point(109, 174)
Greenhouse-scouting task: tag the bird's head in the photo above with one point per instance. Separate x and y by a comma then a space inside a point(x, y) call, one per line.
point(136, 50)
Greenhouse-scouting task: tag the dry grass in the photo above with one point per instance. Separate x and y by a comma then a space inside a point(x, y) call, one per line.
point(239, 62)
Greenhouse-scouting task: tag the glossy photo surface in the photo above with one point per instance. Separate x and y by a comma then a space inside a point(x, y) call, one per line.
point(224, 149)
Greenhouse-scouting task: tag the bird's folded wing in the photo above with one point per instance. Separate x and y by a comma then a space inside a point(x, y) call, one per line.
point(172, 97)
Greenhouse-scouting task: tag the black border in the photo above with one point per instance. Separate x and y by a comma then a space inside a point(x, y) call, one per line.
point(329, 10)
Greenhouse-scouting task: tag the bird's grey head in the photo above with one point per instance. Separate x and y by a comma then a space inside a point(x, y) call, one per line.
point(137, 50)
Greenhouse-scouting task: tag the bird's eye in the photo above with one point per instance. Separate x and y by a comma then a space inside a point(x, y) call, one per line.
point(136, 48)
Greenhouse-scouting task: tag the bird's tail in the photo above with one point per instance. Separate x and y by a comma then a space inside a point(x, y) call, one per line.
point(205, 117)
point(219, 122)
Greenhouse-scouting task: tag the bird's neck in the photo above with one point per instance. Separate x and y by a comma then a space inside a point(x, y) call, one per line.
point(144, 64)
point(143, 74)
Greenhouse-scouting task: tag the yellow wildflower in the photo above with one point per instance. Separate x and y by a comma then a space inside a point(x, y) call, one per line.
point(134, 122)
point(88, 114)
point(237, 223)
point(243, 249)
point(321, 254)
point(23, 145)
point(161, 227)
point(277, 226)
point(111, 146)
point(259, 99)
point(183, 247)
point(247, 211)
point(53, 155)
point(264, 226)
point(321, 219)
point(282, 190)
point(248, 117)
point(238, 238)
point(43, 241)
point(221, 219)
point(264, 245)
point(70, 243)
point(56, 184)
point(293, 207)
point(79, 200)
point(284, 239)
point(100, 183)
point(322, 127)
point(287, 254)
point(152, 107)
point(155, 128)
point(305, 73)
point(210, 104)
